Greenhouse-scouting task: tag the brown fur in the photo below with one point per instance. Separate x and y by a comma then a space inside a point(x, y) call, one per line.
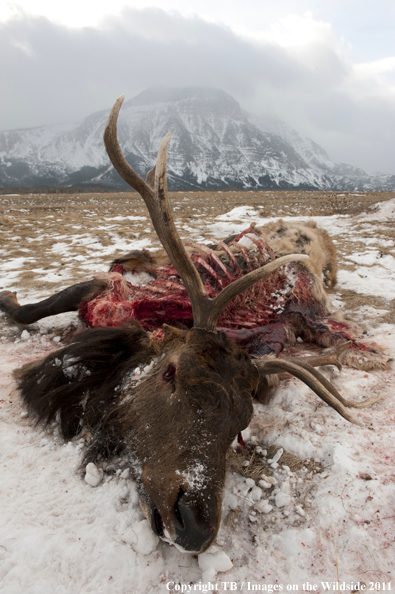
point(288, 237)
point(142, 260)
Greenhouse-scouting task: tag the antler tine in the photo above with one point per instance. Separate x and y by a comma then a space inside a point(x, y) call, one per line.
point(154, 193)
point(315, 380)
point(331, 388)
point(118, 160)
point(150, 177)
point(330, 357)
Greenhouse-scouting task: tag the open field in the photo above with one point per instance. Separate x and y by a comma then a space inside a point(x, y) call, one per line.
point(83, 232)
point(59, 534)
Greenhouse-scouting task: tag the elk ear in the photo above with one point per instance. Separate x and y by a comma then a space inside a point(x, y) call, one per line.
point(241, 415)
point(172, 333)
point(265, 388)
point(136, 260)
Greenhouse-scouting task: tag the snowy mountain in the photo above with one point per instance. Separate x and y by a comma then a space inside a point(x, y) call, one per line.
point(215, 144)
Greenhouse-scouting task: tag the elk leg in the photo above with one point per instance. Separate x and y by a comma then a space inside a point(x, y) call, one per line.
point(69, 299)
point(259, 341)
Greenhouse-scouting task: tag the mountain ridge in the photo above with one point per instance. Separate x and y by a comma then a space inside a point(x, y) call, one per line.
point(215, 145)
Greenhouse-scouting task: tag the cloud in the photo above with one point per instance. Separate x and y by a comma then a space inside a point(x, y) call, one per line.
point(298, 70)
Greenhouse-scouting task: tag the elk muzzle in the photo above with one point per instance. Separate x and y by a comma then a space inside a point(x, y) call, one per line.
point(187, 518)
point(194, 526)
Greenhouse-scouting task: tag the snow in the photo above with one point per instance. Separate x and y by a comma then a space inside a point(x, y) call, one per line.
point(93, 475)
point(281, 499)
point(63, 531)
point(145, 540)
point(246, 213)
point(263, 506)
point(194, 476)
point(384, 212)
point(360, 280)
point(213, 561)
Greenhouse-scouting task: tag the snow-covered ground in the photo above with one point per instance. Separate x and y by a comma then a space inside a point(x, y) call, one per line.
point(293, 530)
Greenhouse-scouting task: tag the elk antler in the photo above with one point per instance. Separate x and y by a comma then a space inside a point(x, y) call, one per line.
point(154, 193)
point(316, 381)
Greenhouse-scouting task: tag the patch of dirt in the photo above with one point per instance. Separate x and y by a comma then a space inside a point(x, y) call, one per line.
point(355, 300)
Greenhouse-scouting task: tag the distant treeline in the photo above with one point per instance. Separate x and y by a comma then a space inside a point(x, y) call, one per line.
point(61, 190)
point(108, 190)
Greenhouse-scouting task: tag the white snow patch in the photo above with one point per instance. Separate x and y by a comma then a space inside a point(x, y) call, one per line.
point(146, 541)
point(93, 475)
point(213, 561)
point(195, 476)
point(384, 212)
point(376, 281)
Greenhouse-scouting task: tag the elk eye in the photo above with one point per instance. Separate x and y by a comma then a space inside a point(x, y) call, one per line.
point(170, 374)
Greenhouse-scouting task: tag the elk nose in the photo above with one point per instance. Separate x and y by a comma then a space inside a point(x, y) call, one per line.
point(194, 526)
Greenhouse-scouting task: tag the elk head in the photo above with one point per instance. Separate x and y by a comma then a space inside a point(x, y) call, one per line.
point(184, 416)
point(186, 412)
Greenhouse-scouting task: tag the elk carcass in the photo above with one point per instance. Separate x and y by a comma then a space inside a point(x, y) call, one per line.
point(172, 398)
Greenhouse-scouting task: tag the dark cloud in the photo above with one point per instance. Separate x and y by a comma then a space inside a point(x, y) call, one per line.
point(52, 73)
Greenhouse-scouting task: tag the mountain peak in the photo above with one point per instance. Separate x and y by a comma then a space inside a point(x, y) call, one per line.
point(214, 145)
point(194, 98)
point(165, 94)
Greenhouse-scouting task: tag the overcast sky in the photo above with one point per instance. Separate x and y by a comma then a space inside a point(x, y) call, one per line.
point(325, 67)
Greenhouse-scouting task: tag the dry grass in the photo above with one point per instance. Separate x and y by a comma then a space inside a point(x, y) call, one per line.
point(258, 464)
point(57, 239)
